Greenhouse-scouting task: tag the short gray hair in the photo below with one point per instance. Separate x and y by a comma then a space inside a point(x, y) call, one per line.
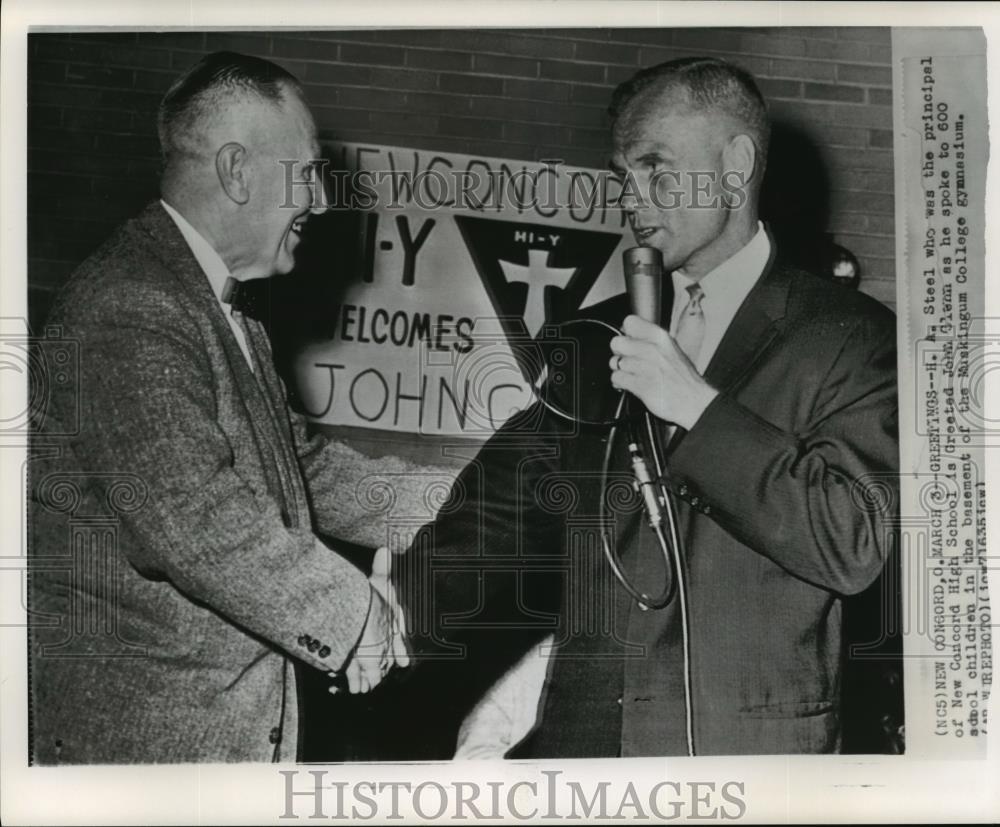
point(708, 84)
point(199, 93)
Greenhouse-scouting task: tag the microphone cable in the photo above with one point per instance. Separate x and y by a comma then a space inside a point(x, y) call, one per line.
point(682, 592)
point(670, 543)
point(671, 548)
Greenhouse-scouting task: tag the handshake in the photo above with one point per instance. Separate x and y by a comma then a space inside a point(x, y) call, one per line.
point(382, 644)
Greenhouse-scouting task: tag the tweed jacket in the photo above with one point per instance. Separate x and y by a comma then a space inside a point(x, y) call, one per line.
point(174, 569)
point(785, 490)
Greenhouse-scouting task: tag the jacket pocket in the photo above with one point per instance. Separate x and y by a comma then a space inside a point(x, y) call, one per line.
point(790, 709)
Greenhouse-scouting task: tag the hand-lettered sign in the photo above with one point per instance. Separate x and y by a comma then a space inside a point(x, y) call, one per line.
point(466, 259)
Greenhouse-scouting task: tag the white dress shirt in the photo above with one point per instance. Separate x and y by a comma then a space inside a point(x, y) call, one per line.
point(214, 269)
point(725, 288)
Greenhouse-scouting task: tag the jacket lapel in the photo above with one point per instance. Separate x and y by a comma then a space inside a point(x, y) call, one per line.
point(173, 251)
point(267, 416)
point(756, 324)
point(178, 258)
point(270, 386)
point(175, 254)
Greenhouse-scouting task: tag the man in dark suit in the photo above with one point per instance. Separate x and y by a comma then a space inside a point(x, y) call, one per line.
point(175, 569)
point(776, 392)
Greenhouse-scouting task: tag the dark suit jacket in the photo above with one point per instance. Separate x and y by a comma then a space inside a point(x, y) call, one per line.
point(786, 493)
point(173, 563)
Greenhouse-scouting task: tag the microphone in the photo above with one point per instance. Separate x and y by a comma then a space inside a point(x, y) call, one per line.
point(643, 267)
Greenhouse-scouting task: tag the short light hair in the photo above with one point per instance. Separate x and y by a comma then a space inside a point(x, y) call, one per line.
point(211, 84)
point(708, 84)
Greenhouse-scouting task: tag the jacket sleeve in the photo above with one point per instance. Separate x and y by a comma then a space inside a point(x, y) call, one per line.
point(148, 407)
point(482, 562)
point(356, 498)
point(819, 503)
point(468, 577)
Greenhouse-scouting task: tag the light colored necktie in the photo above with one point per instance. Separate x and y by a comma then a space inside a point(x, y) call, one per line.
point(691, 324)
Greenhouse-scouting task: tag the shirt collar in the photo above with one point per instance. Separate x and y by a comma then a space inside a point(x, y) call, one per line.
point(208, 259)
point(729, 284)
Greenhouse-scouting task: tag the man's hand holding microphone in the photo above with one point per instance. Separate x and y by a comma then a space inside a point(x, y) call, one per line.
point(647, 361)
point(649, 364)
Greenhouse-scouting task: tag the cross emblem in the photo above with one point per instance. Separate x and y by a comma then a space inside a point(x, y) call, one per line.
point(537, 275)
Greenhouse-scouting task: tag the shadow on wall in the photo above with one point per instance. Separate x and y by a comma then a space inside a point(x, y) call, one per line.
point(795, 201)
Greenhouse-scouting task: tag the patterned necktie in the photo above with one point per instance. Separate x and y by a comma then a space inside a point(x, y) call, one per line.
point(691, 324)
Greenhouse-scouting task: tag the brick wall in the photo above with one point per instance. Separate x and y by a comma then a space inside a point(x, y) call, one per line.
point(529, 94)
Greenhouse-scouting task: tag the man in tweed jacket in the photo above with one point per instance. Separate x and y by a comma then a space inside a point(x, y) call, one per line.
point(175, 569)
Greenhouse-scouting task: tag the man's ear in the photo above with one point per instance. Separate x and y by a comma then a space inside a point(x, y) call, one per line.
point(232, 169)
point(739, 158)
